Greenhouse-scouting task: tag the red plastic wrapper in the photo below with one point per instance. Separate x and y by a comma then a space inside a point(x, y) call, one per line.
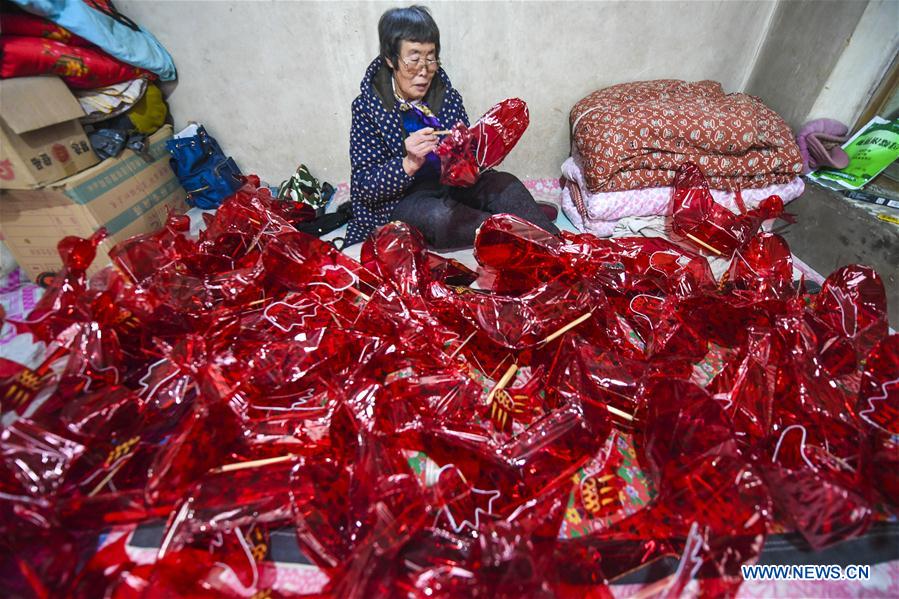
point(40, 562)
point(878, 401)
point(58, 321)
point(467, 152)
point(64, 303)
point(497, 132)
point(763, 267)
point(521, 256)
point(423, 437)
point(144, 255)
point(708, 225)
point(458, 166)
point(710, 498)
point(852, 305)
point(878, 409)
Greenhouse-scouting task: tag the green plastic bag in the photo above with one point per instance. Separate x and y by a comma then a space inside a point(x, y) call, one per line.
point(871, 150)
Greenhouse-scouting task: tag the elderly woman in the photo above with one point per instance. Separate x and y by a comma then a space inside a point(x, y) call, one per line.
point(405, 98)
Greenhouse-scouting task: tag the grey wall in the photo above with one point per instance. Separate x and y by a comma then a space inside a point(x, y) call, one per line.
point(274, 80)
point(864, 63)
point(801, 49)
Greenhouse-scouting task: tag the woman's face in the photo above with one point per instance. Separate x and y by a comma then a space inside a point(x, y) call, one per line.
point(417, 66)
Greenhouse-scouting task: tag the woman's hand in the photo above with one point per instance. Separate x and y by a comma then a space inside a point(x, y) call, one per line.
point(418, 145)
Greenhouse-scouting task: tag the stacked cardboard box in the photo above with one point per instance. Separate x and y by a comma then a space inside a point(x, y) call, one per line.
point(128, 195)
point(41, 140)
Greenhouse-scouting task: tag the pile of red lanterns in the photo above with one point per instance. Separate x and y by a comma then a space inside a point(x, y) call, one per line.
point(257, 379)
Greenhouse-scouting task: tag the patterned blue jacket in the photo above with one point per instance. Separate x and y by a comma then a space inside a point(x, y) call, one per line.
point(378, 181)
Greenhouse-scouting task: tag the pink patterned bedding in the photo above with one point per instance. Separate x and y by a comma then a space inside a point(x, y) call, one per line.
point(598, 213)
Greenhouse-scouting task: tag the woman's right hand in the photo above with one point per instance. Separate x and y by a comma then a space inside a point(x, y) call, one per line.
point(418, 145)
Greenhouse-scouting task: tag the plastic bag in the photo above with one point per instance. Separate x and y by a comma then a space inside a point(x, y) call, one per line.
point(467, 152)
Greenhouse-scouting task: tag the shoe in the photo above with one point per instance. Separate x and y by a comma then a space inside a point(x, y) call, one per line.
point(549, 210)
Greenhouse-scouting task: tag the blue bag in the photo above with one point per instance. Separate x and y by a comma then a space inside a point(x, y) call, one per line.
point(204, 171)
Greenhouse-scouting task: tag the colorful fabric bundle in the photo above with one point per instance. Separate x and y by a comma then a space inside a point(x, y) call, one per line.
point(26, 25)
point(81, 67)
point(636, 135)
point(100, 23)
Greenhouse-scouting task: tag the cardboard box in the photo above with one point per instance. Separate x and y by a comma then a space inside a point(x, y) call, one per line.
point(127, 195)
point(41, 140)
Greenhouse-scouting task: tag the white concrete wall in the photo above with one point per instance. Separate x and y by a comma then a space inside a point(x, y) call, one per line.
point(804, 42)
point(273, 81)
point(868, 54)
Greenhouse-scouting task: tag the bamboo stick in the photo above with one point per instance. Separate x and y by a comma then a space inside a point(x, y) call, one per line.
point(619, 413)
point(458, 349)
point(107, 478)
point(359, 293)
point(567, 327)
point(253, 464)
point(703, 244)
point(496, 368)
point(501, 384)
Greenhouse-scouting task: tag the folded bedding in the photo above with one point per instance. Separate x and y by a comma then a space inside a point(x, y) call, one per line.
point(599, 212)
point(636, 135)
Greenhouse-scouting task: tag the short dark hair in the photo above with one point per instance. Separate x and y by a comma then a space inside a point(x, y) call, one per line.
point(413, 24)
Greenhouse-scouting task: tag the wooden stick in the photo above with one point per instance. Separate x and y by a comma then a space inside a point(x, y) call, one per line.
point(703, 244)
point(510, 372)
point(619, 413)
point(108, 477)
point(359, 293)
point(253, 464)
point(443, 132)
point(495, 368)
point(458, 349)
point(568, 327)
point(478, 365)
point(654, 588)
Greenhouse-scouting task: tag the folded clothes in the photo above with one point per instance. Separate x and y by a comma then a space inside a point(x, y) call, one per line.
point(636, 135)
point(104, 102)
point(598, 213)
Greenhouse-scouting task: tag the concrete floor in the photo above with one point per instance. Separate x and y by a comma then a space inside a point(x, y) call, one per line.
point(832, 231)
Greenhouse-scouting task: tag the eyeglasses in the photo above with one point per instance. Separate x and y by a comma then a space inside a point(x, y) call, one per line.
point(415, 63)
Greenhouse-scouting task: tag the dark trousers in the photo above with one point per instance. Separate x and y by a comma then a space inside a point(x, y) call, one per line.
point(448, 217)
